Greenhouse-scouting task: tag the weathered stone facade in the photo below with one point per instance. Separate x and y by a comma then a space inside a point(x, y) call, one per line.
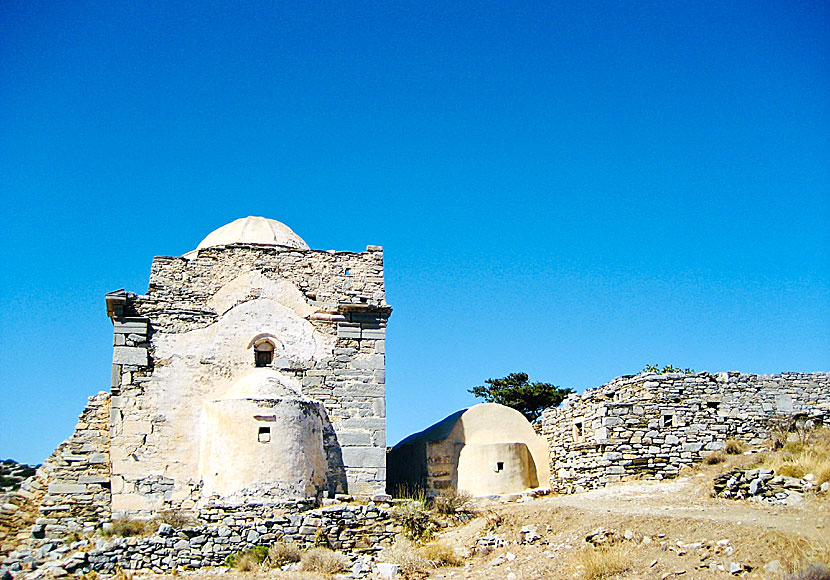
point(193, 338)
point(651, 425)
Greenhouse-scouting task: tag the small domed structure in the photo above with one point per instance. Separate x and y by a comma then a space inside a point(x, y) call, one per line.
point(263, 440)
point(254, 230)
point(484, 450)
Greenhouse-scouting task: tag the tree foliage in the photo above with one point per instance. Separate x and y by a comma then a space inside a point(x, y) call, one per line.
point(655, 369)
point(515, 391)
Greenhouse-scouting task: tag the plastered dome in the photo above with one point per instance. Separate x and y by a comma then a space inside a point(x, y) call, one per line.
point(254, 230)
point(262, 441)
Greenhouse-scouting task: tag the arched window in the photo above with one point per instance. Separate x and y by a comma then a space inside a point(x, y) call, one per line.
point(263, 353)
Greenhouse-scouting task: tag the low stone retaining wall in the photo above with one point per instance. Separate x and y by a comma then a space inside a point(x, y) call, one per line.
point(350, 528)
point(651, 425)
point(763, 485)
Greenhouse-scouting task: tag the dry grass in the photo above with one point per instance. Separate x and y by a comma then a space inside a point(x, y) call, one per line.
point(797, 553)
point(714, 458)
point(280, 554)
point(735, 447)
point(128, 527)
point(801, 457)
point(441, 554)
point(596, 563)
point(324, 561)
point(405, 554)
point(453, 501)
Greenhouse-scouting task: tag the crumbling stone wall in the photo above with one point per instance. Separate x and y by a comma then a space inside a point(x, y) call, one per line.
point(651, 424)
point(359, 530)
point(73, 484)
point(331, 308)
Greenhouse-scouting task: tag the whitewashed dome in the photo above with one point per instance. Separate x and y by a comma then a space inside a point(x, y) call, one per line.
point(254, 230)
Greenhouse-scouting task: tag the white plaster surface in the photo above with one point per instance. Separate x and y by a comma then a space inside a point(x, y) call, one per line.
point(254, 230)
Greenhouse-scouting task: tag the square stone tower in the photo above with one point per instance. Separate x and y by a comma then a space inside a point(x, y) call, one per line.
point(252, 371)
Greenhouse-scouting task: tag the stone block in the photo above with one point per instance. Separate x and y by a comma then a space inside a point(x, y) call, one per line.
point(130, 327)
point(93, 479)
point(364, 456)
point(361, 423)
point(784, 403)
point(368, 361)
point(350, 438)
point(130, 355)
point(66, 488)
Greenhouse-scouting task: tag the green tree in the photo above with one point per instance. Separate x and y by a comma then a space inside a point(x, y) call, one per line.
point(515, 391)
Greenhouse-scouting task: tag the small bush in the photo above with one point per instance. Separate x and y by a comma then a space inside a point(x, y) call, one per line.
point(604, 562)
point(127, 527)
point(176, 518)
point(404, 553)
point(280, 554)
point(324, 561)
point(247, 560)
point(440, 554)
point(734, 447)
point(413, 516)
point(453, 501)
point(714, 458)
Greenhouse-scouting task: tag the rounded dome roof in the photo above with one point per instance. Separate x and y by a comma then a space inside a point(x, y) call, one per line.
point(254, 230)
point(264, 384)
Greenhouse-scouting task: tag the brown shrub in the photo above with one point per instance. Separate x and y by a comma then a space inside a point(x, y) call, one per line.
point(734, 447)
point(604, 562)
point(441, 554)
point(324, 561)
point(282, 553)
point(453, 501)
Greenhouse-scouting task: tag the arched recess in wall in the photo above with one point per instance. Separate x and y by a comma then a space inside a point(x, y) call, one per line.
point(264, 348)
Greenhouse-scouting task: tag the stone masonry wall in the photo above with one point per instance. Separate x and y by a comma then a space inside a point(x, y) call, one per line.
point(358, 530)
point(341, 295)
point(653, 424)
point(70, 491)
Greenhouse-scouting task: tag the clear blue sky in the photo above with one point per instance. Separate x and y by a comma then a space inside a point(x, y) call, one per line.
point(571, 189)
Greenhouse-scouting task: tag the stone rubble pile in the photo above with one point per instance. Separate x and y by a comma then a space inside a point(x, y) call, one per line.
point(761, 485)
point(357, 530)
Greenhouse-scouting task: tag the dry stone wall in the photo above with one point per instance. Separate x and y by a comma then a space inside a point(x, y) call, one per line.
point(75, 479)
point(358, 530)
point(651, 425)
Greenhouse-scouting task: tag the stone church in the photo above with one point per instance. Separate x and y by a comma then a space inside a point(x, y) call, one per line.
point(251, 372)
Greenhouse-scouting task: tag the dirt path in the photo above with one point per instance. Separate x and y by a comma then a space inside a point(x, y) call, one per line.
point(687, 497)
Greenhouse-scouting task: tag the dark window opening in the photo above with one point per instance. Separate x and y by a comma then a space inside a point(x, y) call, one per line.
point(263, 354)
point(264, 435)
point(348, 271)
point(578, 432)
point(712, 404)
point(499, 466)
point(667, 420)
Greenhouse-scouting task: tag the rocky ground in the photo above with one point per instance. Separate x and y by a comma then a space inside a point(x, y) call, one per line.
point(632, 530)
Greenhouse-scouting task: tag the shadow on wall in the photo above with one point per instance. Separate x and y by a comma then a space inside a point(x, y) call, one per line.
point(485, 450)
point(336, 481)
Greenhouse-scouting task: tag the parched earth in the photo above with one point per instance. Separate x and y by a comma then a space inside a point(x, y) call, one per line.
point(659, 530)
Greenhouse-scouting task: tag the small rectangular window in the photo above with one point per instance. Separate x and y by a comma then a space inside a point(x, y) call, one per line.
point(578, 432)
point(499, 466)
point(667, 420)
point(712, 404)
point(264, 435)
